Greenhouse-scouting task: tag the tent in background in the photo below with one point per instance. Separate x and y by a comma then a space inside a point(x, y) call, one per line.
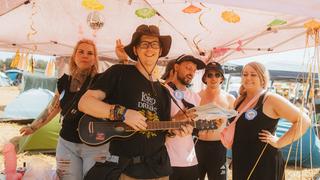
point(43, 140)
point(28, 105)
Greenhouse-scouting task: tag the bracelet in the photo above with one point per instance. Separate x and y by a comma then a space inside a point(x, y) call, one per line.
point(111, 112)
point(119, 112)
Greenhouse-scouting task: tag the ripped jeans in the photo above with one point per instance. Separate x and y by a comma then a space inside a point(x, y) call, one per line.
point(74, 160)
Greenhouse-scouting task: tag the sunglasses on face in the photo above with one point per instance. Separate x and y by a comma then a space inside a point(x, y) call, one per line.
point(216, 75)
point(146, 45)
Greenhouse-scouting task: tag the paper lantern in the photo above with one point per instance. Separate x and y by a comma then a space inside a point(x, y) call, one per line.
point(230, 16)
point(145, 13)
point(92, 5)
point(277, 22)
point(191, 9)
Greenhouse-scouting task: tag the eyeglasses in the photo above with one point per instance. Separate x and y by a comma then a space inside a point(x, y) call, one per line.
point(146, 45)
point(216, 75)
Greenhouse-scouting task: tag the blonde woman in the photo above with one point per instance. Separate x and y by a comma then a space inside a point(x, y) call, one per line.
point(74, 159)
point(255, 129)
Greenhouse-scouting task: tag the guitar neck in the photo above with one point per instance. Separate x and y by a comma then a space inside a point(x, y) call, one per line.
point(151, 126)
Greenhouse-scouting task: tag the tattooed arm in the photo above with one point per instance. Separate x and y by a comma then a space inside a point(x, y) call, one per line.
point(47, 115)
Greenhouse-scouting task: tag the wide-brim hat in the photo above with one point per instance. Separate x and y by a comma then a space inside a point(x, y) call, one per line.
point(200, 64)
point(212, 66)
point(169, 67)
point(150, 30)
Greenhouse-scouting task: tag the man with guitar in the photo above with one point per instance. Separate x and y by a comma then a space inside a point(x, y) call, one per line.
point(129, 93)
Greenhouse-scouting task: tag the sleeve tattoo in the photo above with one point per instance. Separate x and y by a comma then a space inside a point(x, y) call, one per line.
point(44, 117)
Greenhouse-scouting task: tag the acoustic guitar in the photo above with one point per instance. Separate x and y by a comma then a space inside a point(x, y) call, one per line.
point(94, 131)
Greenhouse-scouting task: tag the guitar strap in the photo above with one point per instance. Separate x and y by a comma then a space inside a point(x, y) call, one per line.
point(186, 105)
point(71, 109)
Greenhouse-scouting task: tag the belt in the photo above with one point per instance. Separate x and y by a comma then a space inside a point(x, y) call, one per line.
point(122, 159)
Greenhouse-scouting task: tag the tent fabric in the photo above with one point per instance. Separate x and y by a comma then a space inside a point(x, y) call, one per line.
point(34, 81)
point(59, 24)
point(308, 144)
point(4, 80)
point(44, 139)
point(29, 104)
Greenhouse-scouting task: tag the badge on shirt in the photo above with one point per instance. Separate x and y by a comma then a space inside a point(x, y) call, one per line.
point(251, 114)
point(178, 94)
point(61, 95)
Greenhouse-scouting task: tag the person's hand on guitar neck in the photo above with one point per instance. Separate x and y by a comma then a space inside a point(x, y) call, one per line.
point(135, 120)
point(188, 114)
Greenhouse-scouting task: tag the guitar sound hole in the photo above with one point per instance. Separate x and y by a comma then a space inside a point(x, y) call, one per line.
point(119, 129)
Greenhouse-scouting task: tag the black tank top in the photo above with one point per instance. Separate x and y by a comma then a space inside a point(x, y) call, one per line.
point(247, 147)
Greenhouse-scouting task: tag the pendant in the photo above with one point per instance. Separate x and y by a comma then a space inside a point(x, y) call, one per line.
point(251, 114)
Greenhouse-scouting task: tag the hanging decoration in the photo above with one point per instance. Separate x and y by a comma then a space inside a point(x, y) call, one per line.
point(277, 22)
point(94, 5)
point(312, 25)
point(32, 30)
point(191, 9)
point(95, 20)
point(50, 69)
point(145, 13)
point(201, 22)
point(31, 65)
point(230, 17)
point(15, 60)
point(313, 28)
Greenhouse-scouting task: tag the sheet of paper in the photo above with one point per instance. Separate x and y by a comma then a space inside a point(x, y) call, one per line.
point(211, 111)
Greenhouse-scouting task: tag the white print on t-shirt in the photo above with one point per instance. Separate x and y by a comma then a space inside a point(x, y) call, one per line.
point(147, 102)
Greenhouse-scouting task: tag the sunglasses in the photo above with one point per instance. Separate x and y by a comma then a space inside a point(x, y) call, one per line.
point(216, 75)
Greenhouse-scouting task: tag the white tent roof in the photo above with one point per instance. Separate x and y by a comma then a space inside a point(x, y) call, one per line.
point(59, 24)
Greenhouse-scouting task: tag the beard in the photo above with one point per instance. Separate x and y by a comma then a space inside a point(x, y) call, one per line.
point(184, 80)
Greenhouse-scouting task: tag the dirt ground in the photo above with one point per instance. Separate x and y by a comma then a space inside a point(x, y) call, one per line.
point(10, 131)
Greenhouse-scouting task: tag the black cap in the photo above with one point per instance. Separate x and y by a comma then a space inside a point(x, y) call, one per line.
point(200, 64)
point(213, 66)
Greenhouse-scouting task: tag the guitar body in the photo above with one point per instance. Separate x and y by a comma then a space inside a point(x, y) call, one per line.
point(94, 132)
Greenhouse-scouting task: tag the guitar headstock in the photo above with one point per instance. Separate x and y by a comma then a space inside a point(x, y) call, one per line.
point(206, 124)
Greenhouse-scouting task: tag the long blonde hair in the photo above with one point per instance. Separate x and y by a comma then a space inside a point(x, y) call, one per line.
point(263, 75)
point(72, 63)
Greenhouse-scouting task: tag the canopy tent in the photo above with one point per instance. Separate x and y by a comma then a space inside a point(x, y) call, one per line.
point(53, 27)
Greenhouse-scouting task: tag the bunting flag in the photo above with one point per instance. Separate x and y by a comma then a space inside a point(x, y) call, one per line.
point(15, 60)
point(31, 65)
point(50, 69)
point(26, 62)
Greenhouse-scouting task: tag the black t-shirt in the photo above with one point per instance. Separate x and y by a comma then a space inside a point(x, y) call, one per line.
point(125, 85)
point(69, 101)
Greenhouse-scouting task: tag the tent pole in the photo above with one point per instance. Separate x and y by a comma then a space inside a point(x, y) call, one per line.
point(23, 3)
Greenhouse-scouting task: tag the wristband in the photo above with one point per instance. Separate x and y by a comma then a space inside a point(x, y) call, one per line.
point(119, 112)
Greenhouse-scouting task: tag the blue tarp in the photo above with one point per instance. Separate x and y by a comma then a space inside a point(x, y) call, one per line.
point(29, 104)
point(309, 143)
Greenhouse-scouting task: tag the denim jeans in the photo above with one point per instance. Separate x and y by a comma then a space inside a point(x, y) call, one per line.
point(74, 160)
